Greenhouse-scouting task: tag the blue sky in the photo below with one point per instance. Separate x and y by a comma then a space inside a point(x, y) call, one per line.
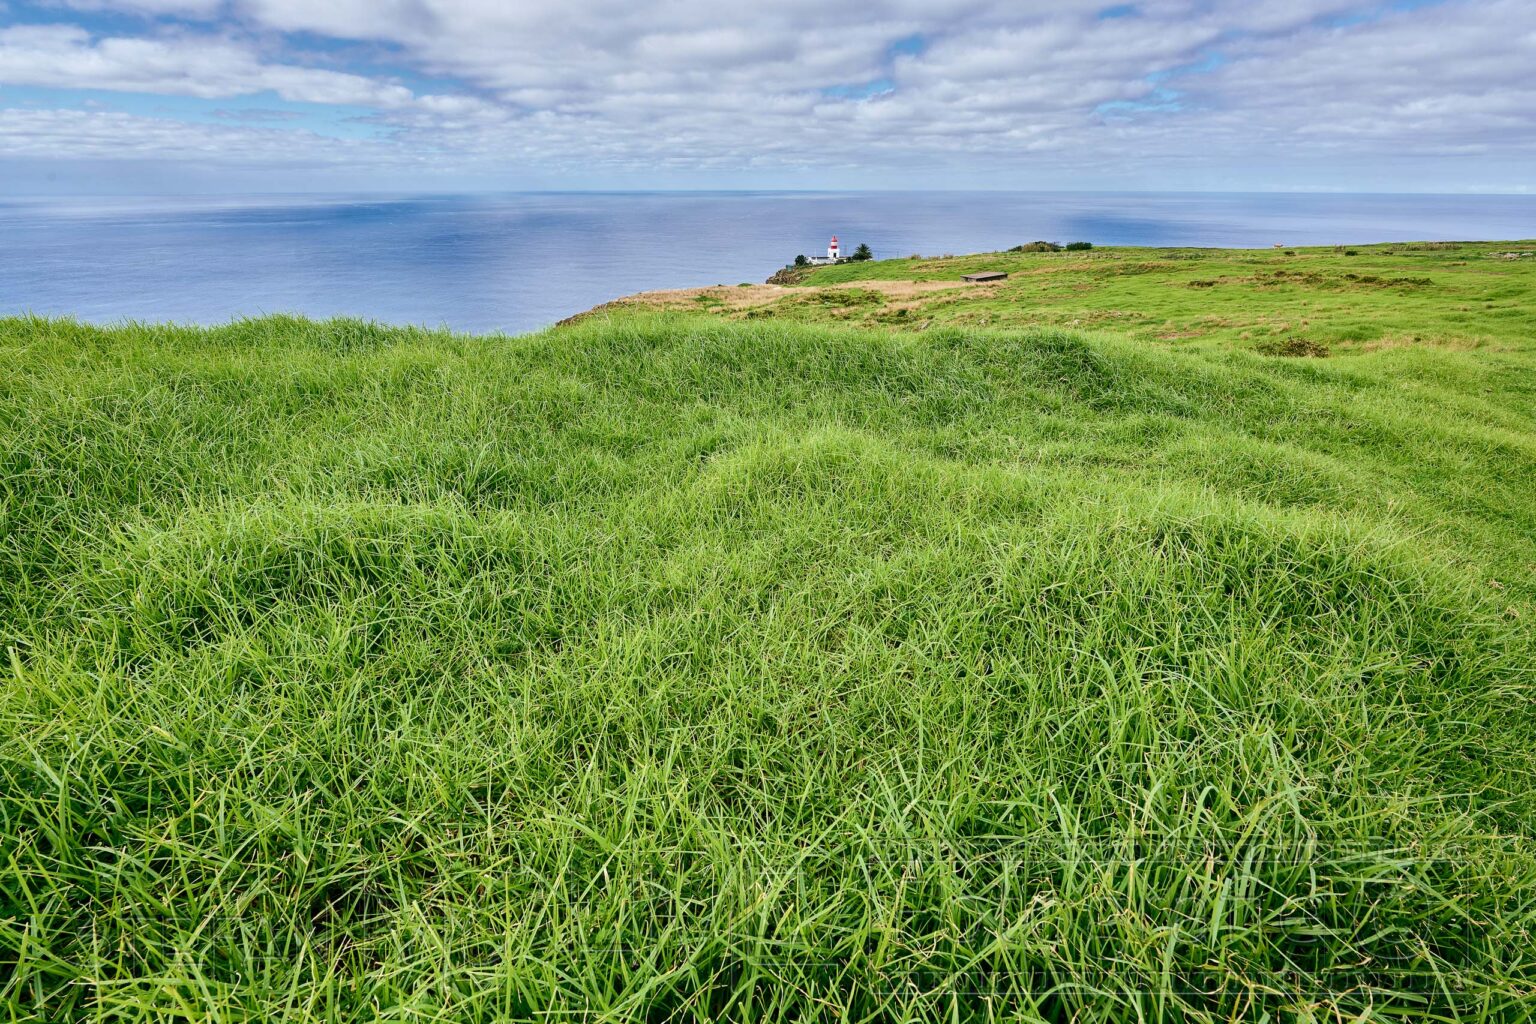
point(298, 95)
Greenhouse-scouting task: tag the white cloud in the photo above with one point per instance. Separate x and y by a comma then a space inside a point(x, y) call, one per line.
point(116, 136)
point(65, 56)
point(182, 8)
point(1014, 85)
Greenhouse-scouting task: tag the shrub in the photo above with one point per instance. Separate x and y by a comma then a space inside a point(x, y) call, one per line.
point(1037, 247)
point(842, 298)
point(801, 261)
point(1293, 347)
point(1077, 246)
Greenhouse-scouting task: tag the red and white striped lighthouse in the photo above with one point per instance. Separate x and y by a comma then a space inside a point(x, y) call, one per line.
point(832, 249)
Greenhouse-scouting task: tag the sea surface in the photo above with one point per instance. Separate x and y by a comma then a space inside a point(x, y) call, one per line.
point(517, 262)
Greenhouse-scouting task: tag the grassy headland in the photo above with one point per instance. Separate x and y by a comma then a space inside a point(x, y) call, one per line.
point(803, 667)
point(1351, 299)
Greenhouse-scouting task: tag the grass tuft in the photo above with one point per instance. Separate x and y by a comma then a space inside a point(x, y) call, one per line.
point(667, 668)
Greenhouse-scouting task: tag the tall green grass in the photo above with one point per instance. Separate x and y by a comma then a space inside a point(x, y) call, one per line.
point(671, 669)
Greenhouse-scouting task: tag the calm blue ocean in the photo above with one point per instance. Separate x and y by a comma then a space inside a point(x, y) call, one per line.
point(518, 262)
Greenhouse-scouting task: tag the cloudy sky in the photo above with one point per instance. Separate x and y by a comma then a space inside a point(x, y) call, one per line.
point(297, 95)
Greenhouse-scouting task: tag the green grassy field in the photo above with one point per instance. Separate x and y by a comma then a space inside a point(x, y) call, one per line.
point(664, 667)
point(1360, 298)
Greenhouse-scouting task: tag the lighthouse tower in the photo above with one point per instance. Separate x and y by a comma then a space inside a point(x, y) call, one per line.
point(832, 251)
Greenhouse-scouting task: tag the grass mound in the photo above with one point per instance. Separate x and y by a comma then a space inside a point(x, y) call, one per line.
point(666, 668)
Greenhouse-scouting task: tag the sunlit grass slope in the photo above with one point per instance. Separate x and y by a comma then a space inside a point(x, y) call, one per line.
point(1342, 299)
point(669, 668)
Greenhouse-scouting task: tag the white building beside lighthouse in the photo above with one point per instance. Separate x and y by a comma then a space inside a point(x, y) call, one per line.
point(834, 255)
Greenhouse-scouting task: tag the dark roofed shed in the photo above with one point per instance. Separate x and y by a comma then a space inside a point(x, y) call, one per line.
point(985, 275)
